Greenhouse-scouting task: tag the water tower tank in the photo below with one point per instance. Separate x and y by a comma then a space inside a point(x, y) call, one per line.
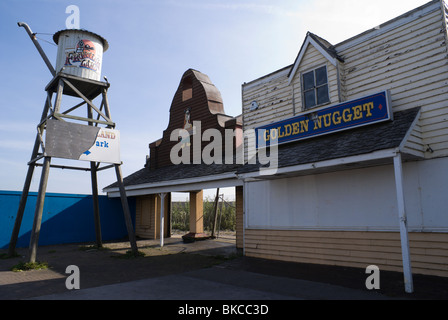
point(80, 53)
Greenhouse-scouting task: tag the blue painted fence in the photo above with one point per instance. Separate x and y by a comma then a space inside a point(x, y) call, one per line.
point(66, 218)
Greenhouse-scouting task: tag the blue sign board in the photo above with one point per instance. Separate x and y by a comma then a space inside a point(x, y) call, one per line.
point(347, 115)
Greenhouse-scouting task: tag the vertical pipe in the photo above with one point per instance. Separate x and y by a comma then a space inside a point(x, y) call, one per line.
point(407, 270)
point(39, 209)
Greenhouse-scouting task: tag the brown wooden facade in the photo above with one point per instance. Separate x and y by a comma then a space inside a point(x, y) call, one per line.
point(196, 98)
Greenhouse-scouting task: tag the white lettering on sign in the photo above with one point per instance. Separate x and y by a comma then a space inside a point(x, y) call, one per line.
point(106, 147)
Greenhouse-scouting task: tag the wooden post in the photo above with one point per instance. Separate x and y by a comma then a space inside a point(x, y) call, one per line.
point(239, 211)
point(407, 270)
point(60, 90)
point(127, 214)
point(215, 212)
point(162, 217)
point(196, 212)
point(96, 205)
point(26, 186)
point(106, 103)
point(39, 209)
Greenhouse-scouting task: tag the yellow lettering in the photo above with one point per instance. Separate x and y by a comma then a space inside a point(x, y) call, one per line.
point(346, 117)
point(336, 117)
point(357, 112)
point(288, 130)
point(281, 133)
point(304, 125)
point(296, 128)
point(274, 134)
point(327, 119)
point(367, 107)
point(266, 135)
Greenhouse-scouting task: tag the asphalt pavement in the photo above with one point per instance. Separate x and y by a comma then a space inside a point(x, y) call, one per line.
point(210, 270)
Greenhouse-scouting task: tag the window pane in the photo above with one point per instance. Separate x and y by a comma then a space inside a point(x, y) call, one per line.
point(322, 94)
point(321, 76)
point(308, 80)
point(310, 100)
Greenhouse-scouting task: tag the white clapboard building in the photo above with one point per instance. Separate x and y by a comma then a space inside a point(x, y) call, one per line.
point(374, 192)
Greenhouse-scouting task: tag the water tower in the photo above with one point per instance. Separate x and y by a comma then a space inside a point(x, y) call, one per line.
point(72, 133)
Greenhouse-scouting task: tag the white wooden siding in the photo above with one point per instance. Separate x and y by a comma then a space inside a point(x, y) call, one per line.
point(408, 56)
point(411, 61)
point(313, 59)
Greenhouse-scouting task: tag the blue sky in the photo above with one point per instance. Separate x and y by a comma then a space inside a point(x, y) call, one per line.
point(152, 43)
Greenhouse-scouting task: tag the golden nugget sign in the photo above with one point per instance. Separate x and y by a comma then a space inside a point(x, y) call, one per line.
point(352, 114)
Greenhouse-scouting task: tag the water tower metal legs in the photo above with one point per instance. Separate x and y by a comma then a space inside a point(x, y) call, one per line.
point(127, 214)
point(40, 206)
point(27, 184)
point(20, 211)
point(39, 209)
point(55, 113)
point(96, 206)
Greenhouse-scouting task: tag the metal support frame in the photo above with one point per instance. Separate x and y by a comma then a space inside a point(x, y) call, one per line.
point(54, 112)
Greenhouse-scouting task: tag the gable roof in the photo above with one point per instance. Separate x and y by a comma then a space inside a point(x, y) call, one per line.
point(322, 45)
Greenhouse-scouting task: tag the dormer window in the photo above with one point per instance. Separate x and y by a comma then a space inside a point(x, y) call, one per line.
point(315, 88)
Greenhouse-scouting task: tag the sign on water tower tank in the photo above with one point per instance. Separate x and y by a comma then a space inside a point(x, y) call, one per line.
point(81, 142)
point(80, 53)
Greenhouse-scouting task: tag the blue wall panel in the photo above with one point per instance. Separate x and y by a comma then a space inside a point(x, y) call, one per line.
point(66, 218)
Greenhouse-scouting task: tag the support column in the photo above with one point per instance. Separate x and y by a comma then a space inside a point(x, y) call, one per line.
point(162, 217)
point(196, 218)
point(39, 209)
point(407, 270)
point(239, 208)
point(96, 206)
point(27, 184)
point(127, 213)
point(94, 179)
point(196, 212)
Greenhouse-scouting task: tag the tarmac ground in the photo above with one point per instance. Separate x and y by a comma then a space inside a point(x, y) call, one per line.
point(209, 270)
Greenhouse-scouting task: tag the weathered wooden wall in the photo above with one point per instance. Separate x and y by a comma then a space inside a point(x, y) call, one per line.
point(147, 216)
point(429, 251)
